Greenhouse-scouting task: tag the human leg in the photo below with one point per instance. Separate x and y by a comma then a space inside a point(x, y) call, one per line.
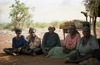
point(38, 51)
point(8, 50)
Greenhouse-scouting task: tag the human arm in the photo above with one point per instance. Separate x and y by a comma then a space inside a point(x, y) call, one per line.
point(38, 42)
point(14, 43)
point(80, 59)
point(67, 42)
point(84, 58)
point(43, 43)
point(75, 41)
point(93, 45)
point(25, 42)
point(28, 39)
point(58, 41)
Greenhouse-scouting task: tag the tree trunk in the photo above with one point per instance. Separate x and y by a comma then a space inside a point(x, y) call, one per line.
point(90, 23)
point(86, 19)
point(94, 26)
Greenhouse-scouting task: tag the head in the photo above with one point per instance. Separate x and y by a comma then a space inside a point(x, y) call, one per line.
point(18, 32)
point(51, 29)
point(32, 31)
point(72, 29)
point(86, 31)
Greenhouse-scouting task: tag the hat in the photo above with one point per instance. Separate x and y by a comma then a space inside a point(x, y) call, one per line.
point(72, 27)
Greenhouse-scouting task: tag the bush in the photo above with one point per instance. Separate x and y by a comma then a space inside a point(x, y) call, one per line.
point(4, 25)
point(98, 24)
point(56, 23)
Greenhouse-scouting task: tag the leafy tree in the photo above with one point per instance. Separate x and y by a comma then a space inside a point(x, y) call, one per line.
point(92, 6)
point(20, 15)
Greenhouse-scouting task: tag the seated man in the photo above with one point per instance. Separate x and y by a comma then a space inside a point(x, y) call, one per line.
point(18, 42)
point(85, 47)
point(50, 40)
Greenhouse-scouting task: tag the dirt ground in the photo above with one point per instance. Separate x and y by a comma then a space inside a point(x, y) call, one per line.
point(5, 42)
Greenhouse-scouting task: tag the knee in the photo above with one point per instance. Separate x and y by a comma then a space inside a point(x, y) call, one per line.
point(5, 49)
point(38, 51)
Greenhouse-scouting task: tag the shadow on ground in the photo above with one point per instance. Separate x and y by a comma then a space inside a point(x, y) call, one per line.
point(29, 60)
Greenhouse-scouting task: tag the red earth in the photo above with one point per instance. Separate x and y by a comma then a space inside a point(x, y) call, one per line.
point(5, 42)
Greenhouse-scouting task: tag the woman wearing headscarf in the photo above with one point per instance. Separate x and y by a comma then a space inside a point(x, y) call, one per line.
point(85, 47)
point(50, 40)
point(34, 46)
point(70, 43)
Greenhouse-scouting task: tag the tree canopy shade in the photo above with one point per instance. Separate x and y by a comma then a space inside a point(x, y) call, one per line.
point(20, 14)
point(93, 8)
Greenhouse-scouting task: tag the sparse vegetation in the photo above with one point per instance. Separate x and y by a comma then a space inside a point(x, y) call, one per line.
point(33, 24)
point(98, 24)
point(38, 24)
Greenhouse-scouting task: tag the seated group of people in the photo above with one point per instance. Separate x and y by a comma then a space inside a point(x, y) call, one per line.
point(74, 48)
point(21, 45)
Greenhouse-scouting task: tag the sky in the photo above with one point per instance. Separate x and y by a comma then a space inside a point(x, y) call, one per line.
point(47, 10)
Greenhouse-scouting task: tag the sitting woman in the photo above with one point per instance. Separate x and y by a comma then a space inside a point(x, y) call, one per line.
point(34, 46)
point(69, 44)
point(50, 40)
point(18, 42)
point(85, 47)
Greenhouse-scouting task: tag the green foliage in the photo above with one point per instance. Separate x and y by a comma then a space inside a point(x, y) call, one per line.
point(40, 24)
point(98, 24)
point(20, 14)
point(1, 26)
point(33, 24)
point(45, 24)
point(56, 23)
point(4, 25)
point(92, 6)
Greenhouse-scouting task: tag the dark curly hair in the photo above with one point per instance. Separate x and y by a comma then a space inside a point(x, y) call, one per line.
point(18, 30)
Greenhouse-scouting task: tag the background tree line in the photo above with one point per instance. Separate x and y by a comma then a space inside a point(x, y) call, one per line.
point(37, 25)
point(22, 18)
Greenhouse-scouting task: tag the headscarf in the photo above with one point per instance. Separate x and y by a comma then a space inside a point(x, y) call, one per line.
point(32, 30)
point(86, 28)
point(51, 27)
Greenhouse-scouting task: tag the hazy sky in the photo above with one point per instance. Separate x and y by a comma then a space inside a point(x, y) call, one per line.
point(47, 10)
